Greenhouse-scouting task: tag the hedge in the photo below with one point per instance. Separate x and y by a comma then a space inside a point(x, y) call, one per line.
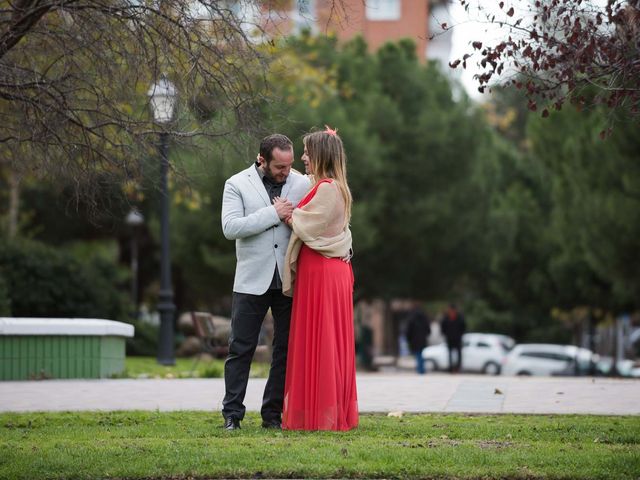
point(42, 281)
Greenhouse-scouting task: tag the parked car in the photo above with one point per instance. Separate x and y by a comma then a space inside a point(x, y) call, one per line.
point(626, 368)
point(481, 352)
point(548, 359)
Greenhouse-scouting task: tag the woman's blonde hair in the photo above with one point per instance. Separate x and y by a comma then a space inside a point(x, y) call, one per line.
point(328, 160)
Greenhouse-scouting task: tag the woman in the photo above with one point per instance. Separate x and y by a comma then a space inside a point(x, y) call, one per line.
point(320, 386)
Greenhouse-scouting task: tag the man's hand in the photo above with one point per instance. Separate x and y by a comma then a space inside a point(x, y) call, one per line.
point(284, 208)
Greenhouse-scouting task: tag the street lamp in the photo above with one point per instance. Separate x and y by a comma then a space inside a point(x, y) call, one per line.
point(134, 220)
point(162, 97)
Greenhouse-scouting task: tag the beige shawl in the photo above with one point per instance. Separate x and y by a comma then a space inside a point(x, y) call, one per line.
point(322, 226)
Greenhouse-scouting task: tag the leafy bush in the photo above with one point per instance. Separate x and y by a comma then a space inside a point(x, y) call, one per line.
point(215, 370)
point(5, 303)
point(145, 341)
point(42, 281)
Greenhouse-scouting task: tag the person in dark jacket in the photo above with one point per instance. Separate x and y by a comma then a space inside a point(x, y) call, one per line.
point(418, 331)
point(453, 327)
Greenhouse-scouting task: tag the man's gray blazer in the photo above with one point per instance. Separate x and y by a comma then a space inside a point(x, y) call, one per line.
point(249, 218)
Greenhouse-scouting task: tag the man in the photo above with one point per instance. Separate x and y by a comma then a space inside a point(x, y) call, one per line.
point(254, 204)
point(453, 327)
point(418, 331)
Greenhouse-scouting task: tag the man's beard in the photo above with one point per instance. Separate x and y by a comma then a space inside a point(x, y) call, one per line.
point(267, 173)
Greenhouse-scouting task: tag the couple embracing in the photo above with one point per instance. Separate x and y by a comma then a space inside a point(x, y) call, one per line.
point(293, 248)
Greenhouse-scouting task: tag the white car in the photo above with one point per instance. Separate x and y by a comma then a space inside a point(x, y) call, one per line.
point(481, 352)
point(548, 359)
point(626, 368)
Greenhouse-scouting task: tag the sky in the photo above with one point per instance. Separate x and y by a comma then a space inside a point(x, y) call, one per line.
point(468, 27)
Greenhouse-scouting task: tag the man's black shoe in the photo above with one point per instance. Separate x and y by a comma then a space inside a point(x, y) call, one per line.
point(231, 423)
point(275, 424)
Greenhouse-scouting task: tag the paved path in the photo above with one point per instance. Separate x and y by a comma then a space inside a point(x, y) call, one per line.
point(376, 393)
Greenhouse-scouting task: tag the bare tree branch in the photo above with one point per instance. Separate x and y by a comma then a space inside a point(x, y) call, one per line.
point(560, 48)
point(74, 76)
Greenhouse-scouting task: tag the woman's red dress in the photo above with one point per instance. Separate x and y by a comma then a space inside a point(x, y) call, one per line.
point(320, 387)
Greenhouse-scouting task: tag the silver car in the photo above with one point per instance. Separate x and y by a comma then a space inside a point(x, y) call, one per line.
point(481, 352)
point(548, 359)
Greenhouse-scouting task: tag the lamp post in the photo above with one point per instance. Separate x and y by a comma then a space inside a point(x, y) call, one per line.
point(134, 220)
point(163, 100)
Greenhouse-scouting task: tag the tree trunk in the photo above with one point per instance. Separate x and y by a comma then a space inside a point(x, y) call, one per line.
point(14, 203)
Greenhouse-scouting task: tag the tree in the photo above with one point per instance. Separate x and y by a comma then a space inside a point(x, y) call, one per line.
point(510, 289)
point(561, 230)
point(563, 48)
point(595, 219)
point(411, 152)
point(74, 77)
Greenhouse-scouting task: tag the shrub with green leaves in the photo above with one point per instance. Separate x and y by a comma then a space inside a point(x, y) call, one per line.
point(42, 281)
point(5, 303)
point(145, 341)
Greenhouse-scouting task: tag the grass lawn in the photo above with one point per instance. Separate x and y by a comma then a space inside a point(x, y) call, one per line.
point(184, 445)
point(148, 367)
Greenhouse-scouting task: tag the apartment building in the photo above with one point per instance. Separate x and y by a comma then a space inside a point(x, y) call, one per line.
point(378, 21)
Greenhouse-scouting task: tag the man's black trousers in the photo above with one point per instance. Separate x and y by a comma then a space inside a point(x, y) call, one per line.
point(247, 314)
point(457, 347)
